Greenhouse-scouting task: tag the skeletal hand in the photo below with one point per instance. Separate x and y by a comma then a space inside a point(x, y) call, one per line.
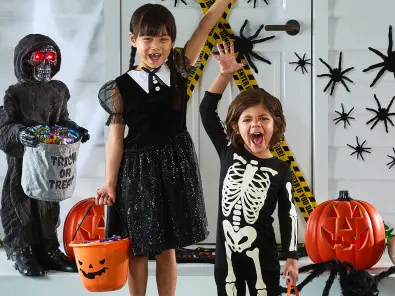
point(84, 134)
point(227, 59)
point(28, 138)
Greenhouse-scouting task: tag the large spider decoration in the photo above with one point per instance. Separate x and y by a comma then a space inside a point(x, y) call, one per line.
point(301, 63)
point(344, 116)
point(389, 61)
point(255, 1)
point(359, 149)
point(392, 162)
point(176, 2)
point(244, 45)
point(336, 75)
point(381, 114)
point(353, 282)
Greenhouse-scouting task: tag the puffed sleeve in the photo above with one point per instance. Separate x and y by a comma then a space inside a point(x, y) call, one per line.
point(183, 63)
point(111, 101)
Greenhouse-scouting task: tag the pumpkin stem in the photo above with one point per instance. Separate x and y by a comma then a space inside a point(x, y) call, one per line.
point(344, 196)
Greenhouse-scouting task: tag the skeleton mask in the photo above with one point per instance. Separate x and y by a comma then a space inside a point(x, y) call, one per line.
point(43, 61)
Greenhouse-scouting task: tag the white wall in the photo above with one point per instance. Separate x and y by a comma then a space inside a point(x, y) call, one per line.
point(355, 25)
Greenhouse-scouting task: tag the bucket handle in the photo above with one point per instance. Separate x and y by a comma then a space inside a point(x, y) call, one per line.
point(86, 214)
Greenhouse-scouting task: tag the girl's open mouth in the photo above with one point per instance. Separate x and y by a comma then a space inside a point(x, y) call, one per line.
point(257, 138)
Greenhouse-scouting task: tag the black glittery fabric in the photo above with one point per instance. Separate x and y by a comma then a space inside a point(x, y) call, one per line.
point(159, 190)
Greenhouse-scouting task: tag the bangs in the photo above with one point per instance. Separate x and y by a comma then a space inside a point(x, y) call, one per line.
point(157, 21)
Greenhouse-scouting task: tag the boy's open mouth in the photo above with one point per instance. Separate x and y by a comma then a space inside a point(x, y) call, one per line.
point(257, 138)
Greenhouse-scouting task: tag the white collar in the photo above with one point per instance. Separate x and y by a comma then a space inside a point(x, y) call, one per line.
point(141, 77)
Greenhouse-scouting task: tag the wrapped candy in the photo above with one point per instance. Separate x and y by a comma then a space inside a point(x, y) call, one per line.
point(114, 238)
point(57, 134)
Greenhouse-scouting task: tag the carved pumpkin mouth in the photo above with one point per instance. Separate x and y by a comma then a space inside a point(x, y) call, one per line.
point(345, 243)
point(92, 275)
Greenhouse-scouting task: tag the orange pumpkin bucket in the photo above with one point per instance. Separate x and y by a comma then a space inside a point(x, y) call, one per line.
point(102, 265)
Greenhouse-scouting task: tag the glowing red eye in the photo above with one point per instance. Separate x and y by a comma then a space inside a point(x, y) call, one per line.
point(51, 56)
point(38, 56)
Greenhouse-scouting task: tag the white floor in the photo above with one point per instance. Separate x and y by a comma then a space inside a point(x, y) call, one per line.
point(193, 280)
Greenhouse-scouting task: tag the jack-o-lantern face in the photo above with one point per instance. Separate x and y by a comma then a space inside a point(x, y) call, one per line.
point(350, 229)
point(347, 229)
point(90, 273)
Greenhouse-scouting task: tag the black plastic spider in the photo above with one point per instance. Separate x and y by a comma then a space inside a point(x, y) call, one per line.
point(255, 1)
point(359, 149)
point(176, 2)
point(336, 75)
point(381, 114)
point(301, 63)
point(392, 162)
point(343, 116)
point(244, 45)
point(389, 61)
point(353, 282)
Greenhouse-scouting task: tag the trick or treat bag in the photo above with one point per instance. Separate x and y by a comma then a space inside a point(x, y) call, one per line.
point(49, 171)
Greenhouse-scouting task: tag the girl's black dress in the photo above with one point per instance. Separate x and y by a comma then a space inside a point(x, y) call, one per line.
point(159, 191)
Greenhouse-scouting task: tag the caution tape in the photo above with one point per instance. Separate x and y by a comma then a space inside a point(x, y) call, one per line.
point(244, 79)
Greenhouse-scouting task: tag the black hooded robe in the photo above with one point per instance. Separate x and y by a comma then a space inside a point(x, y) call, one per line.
point(28, 221)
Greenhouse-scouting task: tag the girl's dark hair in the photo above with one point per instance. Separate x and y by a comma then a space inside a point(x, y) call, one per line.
point(151, 20)
point(249, 98)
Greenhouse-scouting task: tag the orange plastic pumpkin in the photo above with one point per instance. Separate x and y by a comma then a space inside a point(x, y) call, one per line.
point(349, 230)
point(93, 227)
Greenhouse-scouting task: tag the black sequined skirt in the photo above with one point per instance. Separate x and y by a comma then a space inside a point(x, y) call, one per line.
point(160, 197)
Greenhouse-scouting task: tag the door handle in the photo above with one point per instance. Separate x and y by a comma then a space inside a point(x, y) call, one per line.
point(292, 27)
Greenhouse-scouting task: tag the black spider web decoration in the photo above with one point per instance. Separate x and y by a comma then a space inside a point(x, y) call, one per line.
point(336, 75)
point(302, 62)
point(244, 45)
point(388, 63)
point(382, 114)
point(359, 149)
point(344, 116)
point(392, 162)
point(255, 2)
point(176, 2)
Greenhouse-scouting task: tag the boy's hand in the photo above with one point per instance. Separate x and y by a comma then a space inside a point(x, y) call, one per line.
point(227, 60)
point(291, 270)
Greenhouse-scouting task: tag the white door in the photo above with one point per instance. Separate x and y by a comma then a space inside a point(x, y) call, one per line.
point(279, 78)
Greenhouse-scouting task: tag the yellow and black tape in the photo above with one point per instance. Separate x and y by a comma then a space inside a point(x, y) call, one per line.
point(244, 79)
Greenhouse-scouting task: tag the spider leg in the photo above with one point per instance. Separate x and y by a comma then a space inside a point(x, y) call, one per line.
point(381, 72)
point(266, 2)
point(389, 119)
point(347, 122)
point(386, 125)
point(384, 274)
point(333, 87)
point(242, 28)
point(258, 57)
point(360, 153)
point(345, 85)
point(375, 111)
point(326, 64)
point(350, 112)
point(183, 1)
point(262, 40)
point(374, 66)
point(329, 282)
point(256, 33)
point(374, 123)
point(378, 53)
point(293, 63)
point(307, 61)
point(299, 56)
point(390, 104)
point(348, 79)
point(345, 71)
point(298, 67)
point(389, 40)
point(374, 118)
point(324, 75)
point(329, 83)
point(304, 67)
point(248, 58)
point(377, 101)
point(340, 61)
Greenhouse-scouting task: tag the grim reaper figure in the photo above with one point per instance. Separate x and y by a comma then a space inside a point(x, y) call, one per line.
point(30, 224)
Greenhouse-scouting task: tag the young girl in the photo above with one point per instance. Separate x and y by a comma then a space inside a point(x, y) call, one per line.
point(152, 175)
point(252, 182)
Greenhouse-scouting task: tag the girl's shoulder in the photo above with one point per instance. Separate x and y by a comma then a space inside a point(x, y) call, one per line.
point(182, 63)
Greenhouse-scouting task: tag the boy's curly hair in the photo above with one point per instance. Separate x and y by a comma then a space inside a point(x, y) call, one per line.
point(253, 97)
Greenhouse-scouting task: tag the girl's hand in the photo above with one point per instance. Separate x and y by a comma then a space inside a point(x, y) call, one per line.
point(291, 270)
point(105, 196)
point(227, 60)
